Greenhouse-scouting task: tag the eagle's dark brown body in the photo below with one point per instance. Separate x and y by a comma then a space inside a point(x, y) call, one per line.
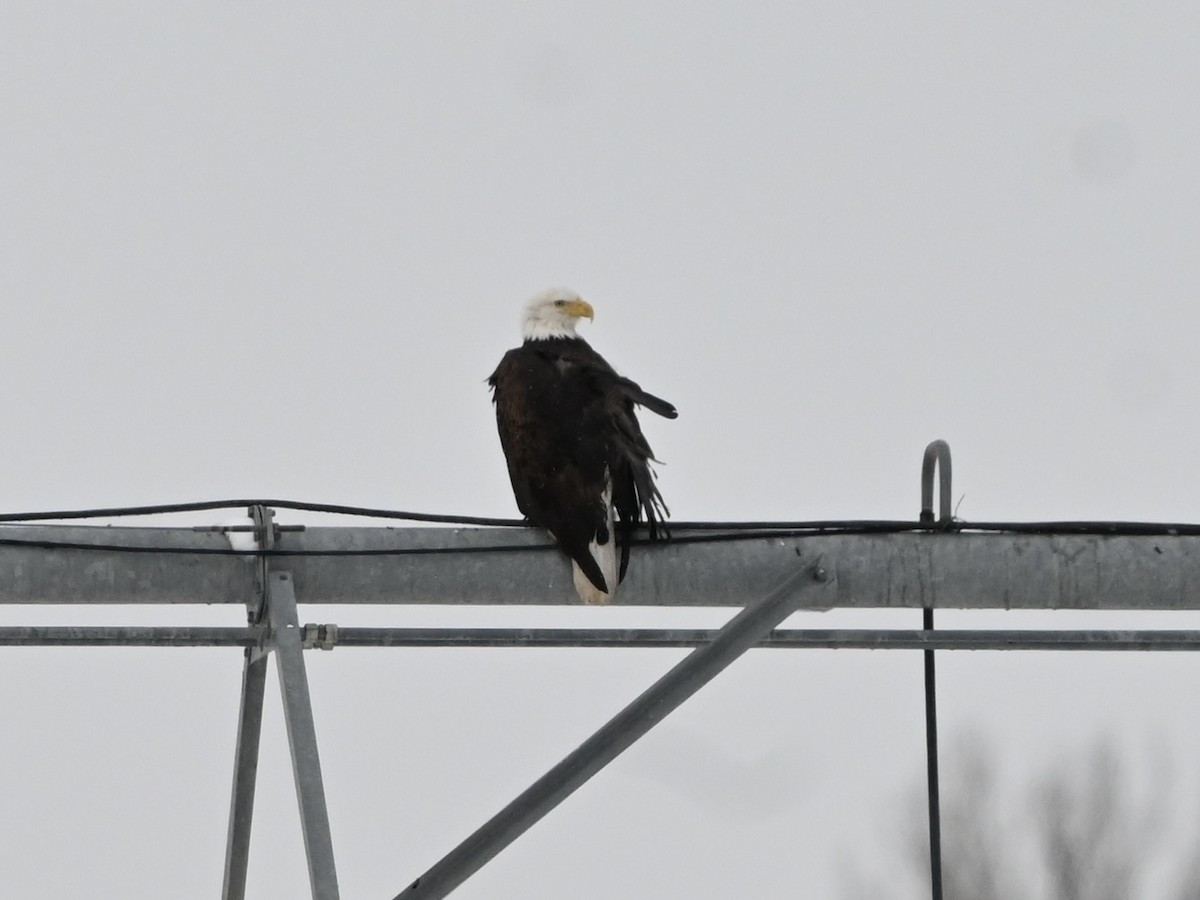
point(568, 428)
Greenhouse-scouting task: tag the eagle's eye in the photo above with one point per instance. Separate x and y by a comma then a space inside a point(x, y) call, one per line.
point(560, 302)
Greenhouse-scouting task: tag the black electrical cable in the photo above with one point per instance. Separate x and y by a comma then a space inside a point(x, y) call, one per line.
point(392, 551)
point(230, 551)
point(735, 531)
point(404, 515)
point(832, 526)
point(115, 512)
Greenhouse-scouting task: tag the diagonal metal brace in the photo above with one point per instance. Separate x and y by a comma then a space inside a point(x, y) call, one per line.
point(694, 671)
point(302, 736)
point(245, 773)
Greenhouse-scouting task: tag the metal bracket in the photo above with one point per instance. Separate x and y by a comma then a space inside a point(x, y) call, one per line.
point(265, 535)
point(321, 637)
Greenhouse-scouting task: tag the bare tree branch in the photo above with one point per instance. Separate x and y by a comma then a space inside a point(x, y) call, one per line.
point(1080, 832)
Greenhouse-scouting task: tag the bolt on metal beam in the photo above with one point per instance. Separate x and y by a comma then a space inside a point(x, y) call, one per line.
point(695, 670)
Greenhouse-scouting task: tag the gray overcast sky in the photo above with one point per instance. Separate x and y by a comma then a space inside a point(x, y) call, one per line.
point(275, 249)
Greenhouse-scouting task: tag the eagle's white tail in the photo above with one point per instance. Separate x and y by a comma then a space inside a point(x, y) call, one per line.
point(605, 556)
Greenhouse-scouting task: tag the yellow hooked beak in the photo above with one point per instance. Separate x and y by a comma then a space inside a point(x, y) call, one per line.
point(580, 309)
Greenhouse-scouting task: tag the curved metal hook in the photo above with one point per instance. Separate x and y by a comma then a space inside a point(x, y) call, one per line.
point(937, 456)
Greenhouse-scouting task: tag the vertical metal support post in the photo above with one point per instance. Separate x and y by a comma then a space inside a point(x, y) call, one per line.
point(245, 772)
point(302, 736)
point(245, 765)
point(694, 671)
point(937, 456)
point(931, 768)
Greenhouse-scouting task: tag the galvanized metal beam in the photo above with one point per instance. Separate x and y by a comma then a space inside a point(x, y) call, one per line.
point(699, 667)
point(254, 682)
point(984, 571)
point(200, 568)
point(245, 774)
point(302, 735)
point(472, 566)
point(782, 638)
point(128, 636)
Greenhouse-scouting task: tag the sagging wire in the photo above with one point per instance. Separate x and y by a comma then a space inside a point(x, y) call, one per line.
point(714, 532)
point(115, 512)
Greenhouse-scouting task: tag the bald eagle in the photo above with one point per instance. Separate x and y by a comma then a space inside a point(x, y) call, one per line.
point(577, 458)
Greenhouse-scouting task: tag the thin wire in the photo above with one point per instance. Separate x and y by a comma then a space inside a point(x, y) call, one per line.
point(856, 526)
point(738, 532)
point(932, 779)
point(401, 515)
point(738, 535)
point(115, 512)
point(229, 551)
point(381, 551)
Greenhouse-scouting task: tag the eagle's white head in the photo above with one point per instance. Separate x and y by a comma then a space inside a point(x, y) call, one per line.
point(554, 313)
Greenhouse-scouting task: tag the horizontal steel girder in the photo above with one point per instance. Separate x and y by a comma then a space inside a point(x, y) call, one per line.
point(490, 566)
